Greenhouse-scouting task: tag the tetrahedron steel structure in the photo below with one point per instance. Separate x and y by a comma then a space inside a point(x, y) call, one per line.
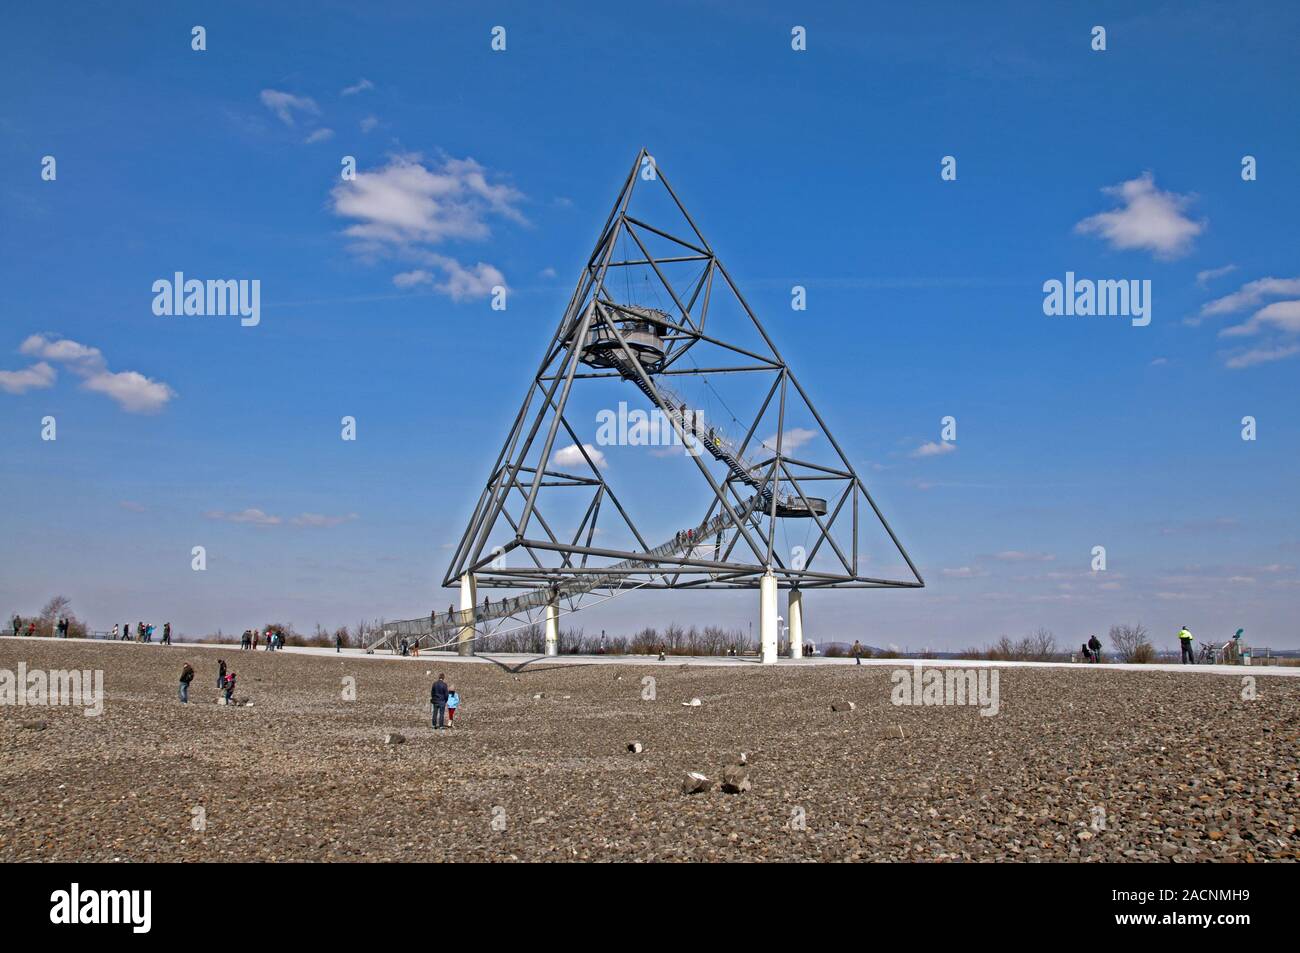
point(658, 361)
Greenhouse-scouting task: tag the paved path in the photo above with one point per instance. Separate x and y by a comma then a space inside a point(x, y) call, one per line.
point(519, 659)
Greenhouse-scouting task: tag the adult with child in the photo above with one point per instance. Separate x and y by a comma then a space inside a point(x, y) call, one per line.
point(1094, 644)
point(438, 699)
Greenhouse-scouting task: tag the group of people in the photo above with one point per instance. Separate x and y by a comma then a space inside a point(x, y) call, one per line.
point(143, 632)
point(272, 639)
point(445, 701)
point(61, 627)
point(1092, 649)
point(225, 682)
point(405, 647)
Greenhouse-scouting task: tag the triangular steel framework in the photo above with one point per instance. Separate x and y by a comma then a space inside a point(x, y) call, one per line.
point(596, 338)
point(510, 542)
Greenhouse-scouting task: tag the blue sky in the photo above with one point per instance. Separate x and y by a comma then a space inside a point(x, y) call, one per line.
point(818, 168)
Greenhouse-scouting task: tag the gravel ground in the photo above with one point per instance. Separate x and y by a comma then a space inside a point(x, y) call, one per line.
point(1077, 764)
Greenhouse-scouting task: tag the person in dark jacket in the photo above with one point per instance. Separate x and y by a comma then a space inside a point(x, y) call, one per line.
point(187, 676)
point(1094, 643)
point(438, 699)
point(221, 673)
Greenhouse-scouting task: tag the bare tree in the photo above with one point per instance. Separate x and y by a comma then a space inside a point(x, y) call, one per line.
point(1131, 643)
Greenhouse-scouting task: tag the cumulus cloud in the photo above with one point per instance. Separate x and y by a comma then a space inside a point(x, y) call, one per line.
point(933, 449)
point(284, 105)
point(1251, 295)
point(1281, 319)
point(37, 377)
point(131, 390)
point(403, 208)
point(369, 123)
point(1148, 220)
point(792, 439)
point(320, 135)
point(571, 456)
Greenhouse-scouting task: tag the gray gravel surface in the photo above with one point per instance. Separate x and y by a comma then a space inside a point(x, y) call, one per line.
point(1077, 765)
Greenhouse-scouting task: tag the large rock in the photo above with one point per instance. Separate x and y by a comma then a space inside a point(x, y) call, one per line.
point(693, 703)
point(843, 706)
point(635, 747)
point(696, 783)
point(393, 738)
point(735, 779)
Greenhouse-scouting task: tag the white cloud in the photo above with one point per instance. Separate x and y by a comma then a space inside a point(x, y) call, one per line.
point(284, 104)
point(409, 279)
point(320, 135)
point(361, 86)
point(462, 283)
point(405, 202)
point(1251, 294)
point(318, 519)
point(1149, 220)
point(1280, 315)
point(88, 359)
point(933, 449)
point(405, 206)
point(254, 516)
point(1017, 556)
point(1261, 355)
point(369, 123)
point(792, 439)
point(1203, 278)
point(37, 377)
point(132, 391)
point(571, 456)
point(963, 572)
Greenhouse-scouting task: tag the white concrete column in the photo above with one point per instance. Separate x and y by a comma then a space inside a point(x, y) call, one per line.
point(767, 624)
point(553, 625)
point(468, 602)
point(794, 618)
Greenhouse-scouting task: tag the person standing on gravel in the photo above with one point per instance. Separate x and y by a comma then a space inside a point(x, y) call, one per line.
point(18, 624)
point(187, 676)
point(221, 673)
point(453, 702)
point(438, 699)
point(1185, 640)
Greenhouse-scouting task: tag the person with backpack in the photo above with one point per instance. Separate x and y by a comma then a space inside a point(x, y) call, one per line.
point(438, 699)
point(187, 676)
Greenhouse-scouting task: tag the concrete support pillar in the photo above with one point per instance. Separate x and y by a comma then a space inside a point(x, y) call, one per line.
point(468, 602)
point(553, 625)
point(794, 617)
point(767, 623)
